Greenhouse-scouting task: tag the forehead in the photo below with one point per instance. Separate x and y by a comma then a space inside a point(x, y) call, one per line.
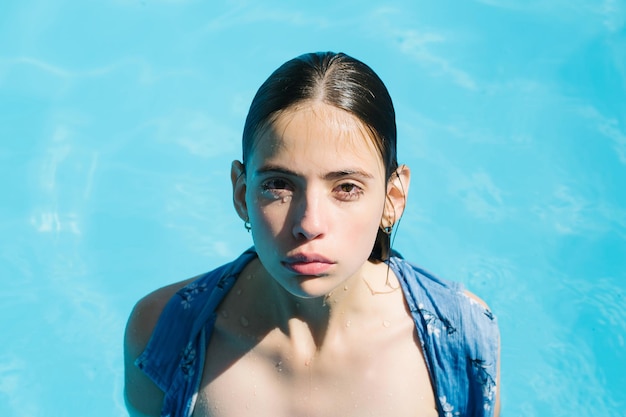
point(316, 128)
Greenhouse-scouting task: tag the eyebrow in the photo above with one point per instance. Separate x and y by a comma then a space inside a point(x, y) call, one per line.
point(333, 175)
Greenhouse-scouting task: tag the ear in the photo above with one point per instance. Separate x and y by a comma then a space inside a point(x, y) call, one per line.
point(238, 179)
point(397, 193)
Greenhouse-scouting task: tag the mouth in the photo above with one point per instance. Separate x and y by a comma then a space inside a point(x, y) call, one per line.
point(308, 264)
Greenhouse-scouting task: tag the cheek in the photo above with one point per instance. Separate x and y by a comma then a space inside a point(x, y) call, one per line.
point(363, 223)
point(267, 218)
point(366, 230)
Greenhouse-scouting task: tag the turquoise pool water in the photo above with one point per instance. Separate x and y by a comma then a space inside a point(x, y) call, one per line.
point(119, 119)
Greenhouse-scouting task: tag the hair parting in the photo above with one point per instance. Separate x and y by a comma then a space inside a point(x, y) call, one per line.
point(338, 80)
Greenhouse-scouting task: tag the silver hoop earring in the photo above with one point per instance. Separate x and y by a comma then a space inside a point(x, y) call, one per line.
point(247, 225)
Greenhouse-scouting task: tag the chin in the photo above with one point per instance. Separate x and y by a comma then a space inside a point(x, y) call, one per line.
point(311, 288)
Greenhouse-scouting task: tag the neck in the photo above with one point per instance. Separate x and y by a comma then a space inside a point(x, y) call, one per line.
point(317, 322)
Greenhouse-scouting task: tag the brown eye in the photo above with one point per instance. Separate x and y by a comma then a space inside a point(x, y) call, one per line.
point(348, 191)
point(346, 188)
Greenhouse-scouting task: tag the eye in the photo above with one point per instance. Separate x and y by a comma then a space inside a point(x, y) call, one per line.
point(277, 188)
point(348, 191)
point(275, 184)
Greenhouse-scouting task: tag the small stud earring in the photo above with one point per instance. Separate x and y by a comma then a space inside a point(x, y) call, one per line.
point(388, 230)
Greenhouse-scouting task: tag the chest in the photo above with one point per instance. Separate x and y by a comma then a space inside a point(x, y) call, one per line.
point(373, 375)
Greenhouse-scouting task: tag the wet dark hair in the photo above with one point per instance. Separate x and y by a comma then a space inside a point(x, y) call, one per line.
point(338, 80)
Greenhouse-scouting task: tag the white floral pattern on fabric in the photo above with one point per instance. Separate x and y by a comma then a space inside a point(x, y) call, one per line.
point(448, 409)
point(188, 293)
point(434, 323)
point(188, 361)
point(488, 382)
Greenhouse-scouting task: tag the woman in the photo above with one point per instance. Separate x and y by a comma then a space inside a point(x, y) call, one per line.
point(320, 317)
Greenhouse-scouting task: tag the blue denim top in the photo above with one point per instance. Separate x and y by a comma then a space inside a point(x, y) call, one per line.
point(459, 338)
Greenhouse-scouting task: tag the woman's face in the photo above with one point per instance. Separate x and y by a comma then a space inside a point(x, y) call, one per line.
point(314, 193)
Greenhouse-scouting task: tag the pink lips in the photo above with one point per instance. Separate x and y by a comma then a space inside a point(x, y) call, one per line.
point(308, 264)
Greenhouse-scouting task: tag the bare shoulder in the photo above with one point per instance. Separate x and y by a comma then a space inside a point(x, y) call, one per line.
point(148, 309)
point(143, 397)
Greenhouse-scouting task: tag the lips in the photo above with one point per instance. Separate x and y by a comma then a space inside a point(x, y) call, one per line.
point(308, 264)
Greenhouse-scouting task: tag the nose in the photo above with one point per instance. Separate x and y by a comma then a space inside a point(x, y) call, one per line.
point(309, 217)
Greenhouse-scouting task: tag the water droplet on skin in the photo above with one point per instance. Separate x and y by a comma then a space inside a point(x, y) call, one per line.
point(225, 314)
point(345, 288)
point(386, 323)
point(348, 323)
point(279, 366)
point(239, 292)
point(244, 321)
point(249, 277)
point(307, 362)
point(326, 297)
